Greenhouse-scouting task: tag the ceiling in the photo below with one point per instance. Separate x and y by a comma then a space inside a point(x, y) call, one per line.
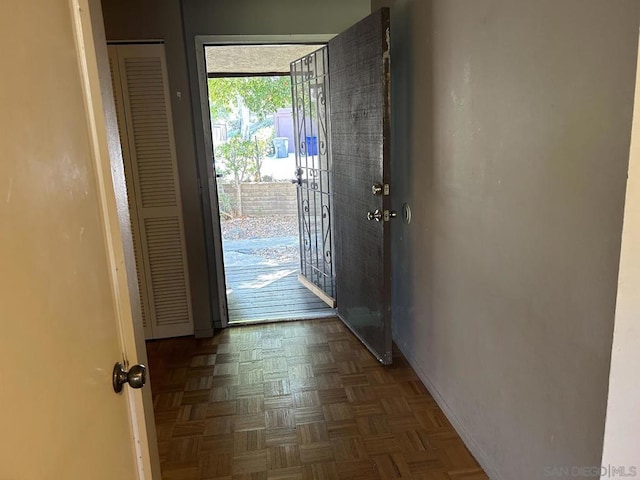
point(254, 59)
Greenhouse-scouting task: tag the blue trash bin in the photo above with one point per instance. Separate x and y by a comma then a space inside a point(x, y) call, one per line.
point(281, 146)
point(312, 145)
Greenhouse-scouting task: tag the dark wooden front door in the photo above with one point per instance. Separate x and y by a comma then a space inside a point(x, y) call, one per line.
point(359, 90)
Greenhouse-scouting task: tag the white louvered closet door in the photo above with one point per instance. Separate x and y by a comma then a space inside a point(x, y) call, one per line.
point(144, 117)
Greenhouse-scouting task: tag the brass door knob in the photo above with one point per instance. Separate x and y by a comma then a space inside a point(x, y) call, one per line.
point(136, 377)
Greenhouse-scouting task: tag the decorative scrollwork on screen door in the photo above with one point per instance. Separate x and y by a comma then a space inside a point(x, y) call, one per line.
point(309, 85)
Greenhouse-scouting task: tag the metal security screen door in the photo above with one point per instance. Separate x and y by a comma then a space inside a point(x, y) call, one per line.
point(309, 86)
point(360, 110)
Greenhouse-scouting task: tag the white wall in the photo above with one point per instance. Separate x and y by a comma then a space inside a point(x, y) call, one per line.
point(511, 133)
point(622, 431)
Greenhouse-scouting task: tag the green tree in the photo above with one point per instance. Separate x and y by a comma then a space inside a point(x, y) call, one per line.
point(259, 149)
point(242, 159)
point(244, 97)
point(239, 101)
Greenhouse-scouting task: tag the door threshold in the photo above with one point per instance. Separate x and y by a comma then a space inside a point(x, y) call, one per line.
point(309, 316)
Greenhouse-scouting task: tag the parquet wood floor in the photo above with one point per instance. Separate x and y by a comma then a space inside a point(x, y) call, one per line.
point(297, 400)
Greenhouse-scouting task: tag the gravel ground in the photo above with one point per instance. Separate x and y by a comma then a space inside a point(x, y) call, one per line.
point(264, 227)
point(259, 227)
point(279, 254)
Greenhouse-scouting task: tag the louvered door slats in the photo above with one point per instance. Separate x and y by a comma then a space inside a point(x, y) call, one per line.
point(135, 228)
point(148, 115)
point(156, 196)
point(165, 255)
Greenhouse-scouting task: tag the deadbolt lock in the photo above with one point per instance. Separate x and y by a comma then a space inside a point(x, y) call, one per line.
point(380, 189)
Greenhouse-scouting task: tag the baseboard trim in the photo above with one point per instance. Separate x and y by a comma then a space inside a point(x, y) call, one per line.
point(204, 333)
point(468, 440)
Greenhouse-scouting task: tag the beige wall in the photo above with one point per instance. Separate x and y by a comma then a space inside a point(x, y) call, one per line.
point(511, 136)
point(623, 411)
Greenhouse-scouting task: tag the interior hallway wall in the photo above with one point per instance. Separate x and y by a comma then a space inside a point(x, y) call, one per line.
point(511, 131)
point(377, 4)
point(623, 407)
point(271, 17)
point(161, 20)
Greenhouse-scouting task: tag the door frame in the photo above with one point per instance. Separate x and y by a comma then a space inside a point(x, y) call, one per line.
point(93, 62)
point(213, 234)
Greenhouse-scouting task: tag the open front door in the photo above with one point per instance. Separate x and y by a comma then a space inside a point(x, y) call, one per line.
point(360, 111)
point(341, 112)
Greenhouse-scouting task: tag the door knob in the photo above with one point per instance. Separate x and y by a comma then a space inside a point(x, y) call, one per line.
point(136, 377)
point(375, 215)
point(379, 215)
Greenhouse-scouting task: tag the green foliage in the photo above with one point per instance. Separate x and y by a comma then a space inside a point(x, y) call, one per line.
point(238, 155)
point(224, 202)
point(242, 158)
point(235, 127)
point(246, 106)
point(261, 95)
point(260, 149)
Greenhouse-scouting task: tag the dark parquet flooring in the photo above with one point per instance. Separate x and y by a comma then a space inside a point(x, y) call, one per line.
point(296, 400)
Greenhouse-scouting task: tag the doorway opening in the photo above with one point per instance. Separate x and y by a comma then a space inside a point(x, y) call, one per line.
point(254, 137)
